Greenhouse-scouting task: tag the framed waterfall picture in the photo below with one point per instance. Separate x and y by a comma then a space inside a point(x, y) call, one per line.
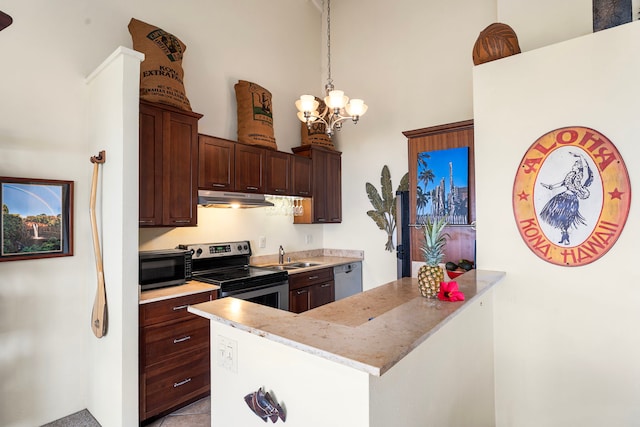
point(37, 218)
point(443, 186)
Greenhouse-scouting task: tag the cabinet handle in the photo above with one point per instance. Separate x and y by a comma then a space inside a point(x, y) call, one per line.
point(146, 221)
point(180, 307)
point(326, 285)
point(218, 185)
point(304, 193)
point(251, 188)
point(303, 291)
point(312, 277)
point(183, 382)
point(278, 190)
point(182, 221)
point(183, 339)
point(322, 220)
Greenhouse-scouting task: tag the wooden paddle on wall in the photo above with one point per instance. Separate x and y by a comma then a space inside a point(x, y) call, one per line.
point(99, 313)
point(5, 20)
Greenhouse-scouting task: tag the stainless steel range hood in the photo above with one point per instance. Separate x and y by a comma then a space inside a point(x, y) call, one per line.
point(228, 199)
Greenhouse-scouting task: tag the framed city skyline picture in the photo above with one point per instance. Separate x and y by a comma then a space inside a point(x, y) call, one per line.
point(443, 186)
point(37, 218)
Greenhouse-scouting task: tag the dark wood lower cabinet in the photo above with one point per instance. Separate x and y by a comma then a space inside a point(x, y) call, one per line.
point(174, 355)
point(311, 289)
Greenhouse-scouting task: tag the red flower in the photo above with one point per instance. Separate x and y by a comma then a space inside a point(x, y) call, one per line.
point(449, 292)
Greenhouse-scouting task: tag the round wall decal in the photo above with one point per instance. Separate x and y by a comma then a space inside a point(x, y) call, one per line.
point(571, 196)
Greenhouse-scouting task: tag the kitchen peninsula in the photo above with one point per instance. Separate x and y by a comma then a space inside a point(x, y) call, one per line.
point(384, 357)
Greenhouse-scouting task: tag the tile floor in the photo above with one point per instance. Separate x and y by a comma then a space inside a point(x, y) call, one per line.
point(198, 414)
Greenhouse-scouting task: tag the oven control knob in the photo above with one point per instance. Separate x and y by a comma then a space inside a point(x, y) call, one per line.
point(199, 252)
point(239, 248)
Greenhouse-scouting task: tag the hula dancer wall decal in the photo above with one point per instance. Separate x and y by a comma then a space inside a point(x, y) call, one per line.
point(571, 196)
point(562, 210)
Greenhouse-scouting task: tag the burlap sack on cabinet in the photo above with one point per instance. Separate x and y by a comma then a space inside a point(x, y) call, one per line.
point(255, 115)
point(317, 135)
point(161, 72)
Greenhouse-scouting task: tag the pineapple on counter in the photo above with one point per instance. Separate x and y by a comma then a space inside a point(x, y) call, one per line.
point(431, 274)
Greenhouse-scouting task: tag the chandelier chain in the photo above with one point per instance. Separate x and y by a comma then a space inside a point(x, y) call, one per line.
point(336, 107)
point(329, 81)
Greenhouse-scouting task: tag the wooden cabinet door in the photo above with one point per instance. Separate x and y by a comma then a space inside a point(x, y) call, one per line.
point(179, 173)
point(174, 354)
point(326, 179)
point(333, 184)
point(150, 166)
point(311, 289)
point(278, 173)
point(327, 187)
point(301, 176)
point(216, 163)
point(168, 150)
point(299, 300)
point(322, 293)
point(250, 172)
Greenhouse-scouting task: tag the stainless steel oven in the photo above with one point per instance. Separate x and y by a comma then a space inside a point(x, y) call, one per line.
point(227, 265)
point(275, 295)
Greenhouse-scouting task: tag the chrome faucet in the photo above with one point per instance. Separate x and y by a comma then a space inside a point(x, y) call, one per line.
point(281, 255)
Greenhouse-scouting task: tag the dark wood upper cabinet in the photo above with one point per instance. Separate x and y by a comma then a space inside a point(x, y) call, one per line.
point(301, 176)
point(168, 166)
point(150, 168)
point(250, 169)
point(216, 163)
point(326, 177)
point(278, 173)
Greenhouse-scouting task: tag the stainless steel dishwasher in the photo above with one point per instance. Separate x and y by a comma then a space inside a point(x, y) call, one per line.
point(348, 279)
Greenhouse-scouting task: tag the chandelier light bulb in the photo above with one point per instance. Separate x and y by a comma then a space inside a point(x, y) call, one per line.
point(356, 108)
point(336, 99)
point(308, 103)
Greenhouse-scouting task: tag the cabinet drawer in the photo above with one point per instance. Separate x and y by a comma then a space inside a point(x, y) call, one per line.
point(172, 383)
point(170, 309)
point(300, 280)
point(161, 342)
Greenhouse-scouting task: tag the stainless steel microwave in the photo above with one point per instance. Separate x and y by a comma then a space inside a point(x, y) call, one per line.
point(160, 268)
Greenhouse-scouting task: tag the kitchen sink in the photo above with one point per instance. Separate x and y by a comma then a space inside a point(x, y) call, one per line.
point(293, 265)
point(302, 264)
point(282, 267)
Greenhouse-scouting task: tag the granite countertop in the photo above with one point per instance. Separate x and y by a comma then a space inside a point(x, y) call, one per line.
point(370, 331)
point(189, 288)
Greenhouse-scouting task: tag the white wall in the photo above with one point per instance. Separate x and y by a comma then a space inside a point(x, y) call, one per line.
point(546, 22)
point(566, 342)
point(114, 90)
point(447, 380)
point(315, 392)
point(411, 63)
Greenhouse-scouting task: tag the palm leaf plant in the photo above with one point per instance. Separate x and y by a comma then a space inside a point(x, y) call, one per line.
point(384, 203)
point(431, 274)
